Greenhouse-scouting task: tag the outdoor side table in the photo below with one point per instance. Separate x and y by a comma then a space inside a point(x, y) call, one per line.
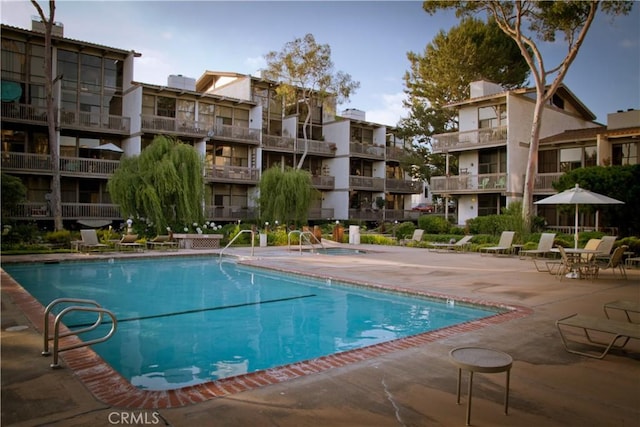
point(478, 359)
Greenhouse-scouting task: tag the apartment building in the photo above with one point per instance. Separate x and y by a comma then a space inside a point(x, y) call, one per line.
point(234, 121)
point(491, 147)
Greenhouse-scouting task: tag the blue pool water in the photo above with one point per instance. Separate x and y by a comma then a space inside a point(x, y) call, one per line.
point(184, 321)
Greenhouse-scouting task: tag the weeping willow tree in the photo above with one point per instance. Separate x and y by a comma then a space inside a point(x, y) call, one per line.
point(285, 195)
point(163, 185)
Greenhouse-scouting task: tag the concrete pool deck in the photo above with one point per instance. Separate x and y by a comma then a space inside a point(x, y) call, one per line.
point(415, 386)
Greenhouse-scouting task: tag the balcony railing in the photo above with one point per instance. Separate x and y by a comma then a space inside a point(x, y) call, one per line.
point(230, 213)
point(487, 183)
point(544, 182)
point(171, 125)
point(316, 147)
point(278, 143)
point(236, 133)
point(395, 153)
point(69, 166)
point(403, 186)
point(366, 183)
point(24, 113)
point(323, 182)
point(366, 150)
point(70, 211)
point(232, 174)
point(289, 145)
point(91, 121)
point(456, 141)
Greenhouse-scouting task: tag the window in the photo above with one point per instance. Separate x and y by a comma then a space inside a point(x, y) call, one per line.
point(224, 116)
point(492, 117)
point(68, 67)
point(490, 204)
point(90, 73)
point(548, 161)
point(13, 63)
point(226, 155)
point(625, 154)
point(570, 159)
point(166, 106)
point(206, 114)
point(492, 161)
point(186, 109)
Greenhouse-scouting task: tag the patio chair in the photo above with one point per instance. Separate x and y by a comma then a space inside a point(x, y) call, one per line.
point(484, 183)
point(606, 247)
point(569, 264)
point(616, 262)
point(544, 248)
point(162, 241)
point(504, 245)
point(90, 241)
point(417, 237)
point(129, 241)
point(592, 245)
point(461, 245)
point(619, 332)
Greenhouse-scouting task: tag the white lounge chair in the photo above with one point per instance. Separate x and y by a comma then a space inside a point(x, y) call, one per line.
point(162, 241)
point(417, 237)
point(90, 241)
point(544, 248)
point(504, 245)
point(129, 241)
point(606, 247)
point(460, 245)
point(619, 332)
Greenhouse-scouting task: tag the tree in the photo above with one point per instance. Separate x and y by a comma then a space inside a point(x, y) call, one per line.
point(546, 20)
point(305, 72)
point(54, 144)
point(472, 51)
point(285, 195)
point(13, 192)
point(164, 185)
point(619, 182)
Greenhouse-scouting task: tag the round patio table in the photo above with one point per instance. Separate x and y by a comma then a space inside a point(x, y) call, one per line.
point(485, 360)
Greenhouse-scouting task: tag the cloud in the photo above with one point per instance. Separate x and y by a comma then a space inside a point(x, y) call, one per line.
point(255, 63)
point(391, 111)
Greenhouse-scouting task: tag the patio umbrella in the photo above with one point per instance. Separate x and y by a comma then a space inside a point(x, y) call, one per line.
point(578, 196)
point(108, 147)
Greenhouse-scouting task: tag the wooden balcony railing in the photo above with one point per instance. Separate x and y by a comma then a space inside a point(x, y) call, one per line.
point(366, 183)
point(232, 174)
point(70, 211)
point(69, 166)
point(487, 183)
point(236, 133)
point(173, 126)
point(316, 147)
point(92, 121)
point(278, 143)
point(323, 182)
point(395, 153)
point(457, 141)
point(230, 213)
point(403, 186)
point(366, 150)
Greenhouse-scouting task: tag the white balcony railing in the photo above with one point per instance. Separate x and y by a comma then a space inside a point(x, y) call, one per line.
point(456, 141)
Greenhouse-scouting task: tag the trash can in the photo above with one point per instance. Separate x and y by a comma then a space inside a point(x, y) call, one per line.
point(263, 240)
point(338, 232)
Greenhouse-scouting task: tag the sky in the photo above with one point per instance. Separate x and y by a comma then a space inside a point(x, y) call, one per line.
point(368, 39)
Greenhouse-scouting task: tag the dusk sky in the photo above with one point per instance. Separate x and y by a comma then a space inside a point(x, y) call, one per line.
point(369, 40)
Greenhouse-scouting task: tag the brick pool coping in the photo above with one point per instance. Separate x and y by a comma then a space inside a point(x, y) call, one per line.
point(109, 387)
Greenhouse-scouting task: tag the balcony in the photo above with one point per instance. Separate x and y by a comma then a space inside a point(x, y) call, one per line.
point(278, 143)
point(395, 153)
point(367, 151)
point(323, 182)
point(70, 211)
point(403, 186)
point(234, 174)
point(24, 113)
point(366, 183)
point(469, 140)
point(289, 145)
point(230, 213)
point(544, 182)
point(316, 147)
point(173, 126)
point(69, 166)
point(464, 184)
point(236, 133)
point(82, 120)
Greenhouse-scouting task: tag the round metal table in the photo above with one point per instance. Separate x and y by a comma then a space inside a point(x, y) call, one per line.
point(485, 360)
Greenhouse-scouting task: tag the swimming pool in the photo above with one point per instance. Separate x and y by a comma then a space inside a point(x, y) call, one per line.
point(189, 320)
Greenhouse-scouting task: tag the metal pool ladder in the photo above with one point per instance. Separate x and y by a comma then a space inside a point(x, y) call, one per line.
point(56, 325)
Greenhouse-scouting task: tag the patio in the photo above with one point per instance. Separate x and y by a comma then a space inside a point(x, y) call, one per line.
point(415, 386)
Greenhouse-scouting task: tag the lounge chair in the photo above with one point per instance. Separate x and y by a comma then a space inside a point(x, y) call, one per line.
point(417, 237)
point(460, 245)
point(129, 241)
point(162, 241)
point(90, 241)
point(544, 248)
point(616, 262)
point(504, 245)
point(618, 331)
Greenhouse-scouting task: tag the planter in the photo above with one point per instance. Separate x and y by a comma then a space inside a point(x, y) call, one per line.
point(198, 241)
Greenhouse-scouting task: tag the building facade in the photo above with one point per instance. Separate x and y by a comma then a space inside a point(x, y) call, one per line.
point(491, 147)
point(234, 121)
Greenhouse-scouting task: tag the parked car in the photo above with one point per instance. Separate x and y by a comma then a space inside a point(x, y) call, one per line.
point(424, 207)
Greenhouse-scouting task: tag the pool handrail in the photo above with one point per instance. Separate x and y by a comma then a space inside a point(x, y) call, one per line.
point(56, 325)
point(306, 235)
point(253, 235)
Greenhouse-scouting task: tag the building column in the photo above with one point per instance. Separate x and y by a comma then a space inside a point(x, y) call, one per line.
point(604, 150)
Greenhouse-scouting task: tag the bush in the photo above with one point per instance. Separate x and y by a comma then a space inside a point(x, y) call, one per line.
point(61, 238)
point(632, 242)
point(405, 230)
point(433, 224)
point(376, 239)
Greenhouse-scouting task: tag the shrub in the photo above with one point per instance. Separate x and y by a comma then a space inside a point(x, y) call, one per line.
point(632, 242)
point(62, 237)
point(433, 224)
point(405, 230)
point(376, 239)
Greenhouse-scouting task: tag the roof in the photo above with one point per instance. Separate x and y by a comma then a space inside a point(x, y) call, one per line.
point(589, 134)
point(195, 93)
point(562, 90)
point(54, 38)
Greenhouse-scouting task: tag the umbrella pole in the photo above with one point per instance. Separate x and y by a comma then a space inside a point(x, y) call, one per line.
point(575, 239)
